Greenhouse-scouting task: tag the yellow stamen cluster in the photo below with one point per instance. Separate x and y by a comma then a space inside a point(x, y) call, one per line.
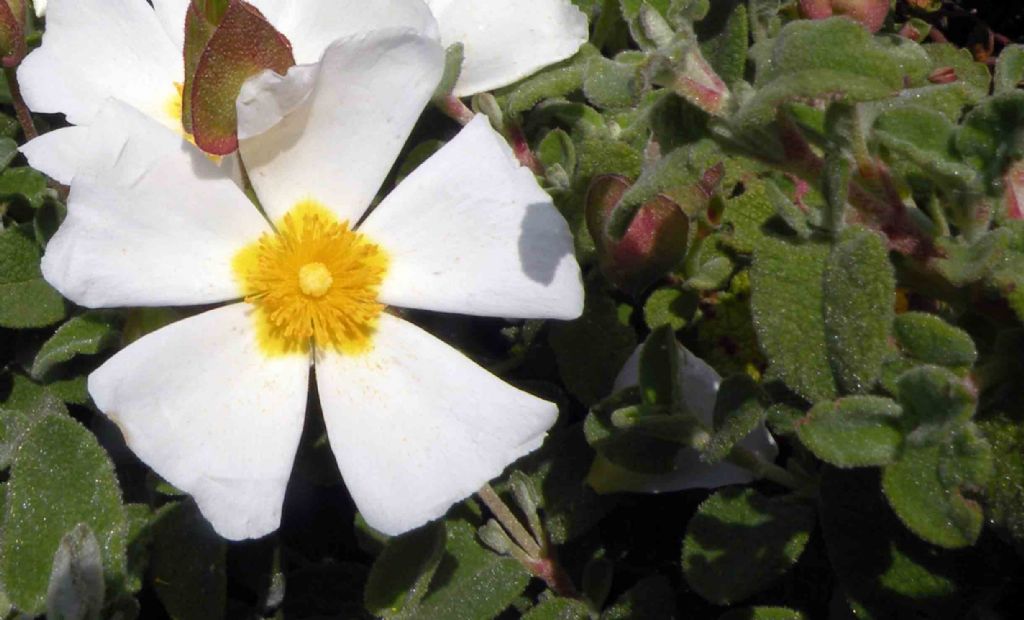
point(314, 281)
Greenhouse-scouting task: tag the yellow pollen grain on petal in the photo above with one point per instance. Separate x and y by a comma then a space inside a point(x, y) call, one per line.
point(313, 282)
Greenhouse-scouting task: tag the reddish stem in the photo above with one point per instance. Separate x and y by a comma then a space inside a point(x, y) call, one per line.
point(522, 150)
point(20, 109)
point(455, 109)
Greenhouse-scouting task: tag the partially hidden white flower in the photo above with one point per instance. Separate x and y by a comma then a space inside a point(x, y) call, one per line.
point(699, 383)
point(94, 50)
point(507, 40)
point(40, 7)
point(215, 403)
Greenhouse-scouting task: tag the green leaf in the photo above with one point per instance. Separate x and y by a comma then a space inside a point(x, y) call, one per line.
point(929, 339)
point(471, 582)
point(558, 469)
point(886, 569)
point(76, 583)
point(932, 487)
point(933, 398)
point(1004, 497)
point(670, 306)
point(964, 263)
point(26, 300)
point(738, 412)
point(401, 574)
point(858, 431)
point(557, 148)
point(987, 137)
point(659, 366)
point(745, 216)
point(974, 75)
point(651, 597)
point(727, 49)
point(8, 151)
point(555, 81)
point(187, 564)
point(83, 335)
point(787, 304)
point(609, 84)
point(60, 478)
point(23, 184)
point(27, 404)
point(859, 291)
point(622, 432)
point(1009, 69)
point(834, 59)
point(559, 609)
point(763, 613)
point(735, 525)
point(592, 349)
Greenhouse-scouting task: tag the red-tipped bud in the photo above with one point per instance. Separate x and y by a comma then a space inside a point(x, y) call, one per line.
point(12, 32)
point(218, 59)
point(654, 243)
point(1013, 188)
point(870, 13)
point(943, 75)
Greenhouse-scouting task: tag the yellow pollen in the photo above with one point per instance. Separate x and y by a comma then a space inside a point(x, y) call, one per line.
point(312, 283)
point(315, 279)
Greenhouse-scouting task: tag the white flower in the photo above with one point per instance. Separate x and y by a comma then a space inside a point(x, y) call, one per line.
point(507, 40)
point(215, 403)
point(699, 383)
point(40, 7)
point(94, 50)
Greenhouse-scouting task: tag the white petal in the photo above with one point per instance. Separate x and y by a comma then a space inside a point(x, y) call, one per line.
point(508, 40)
point(470, 231)
point(95, 49)
point(313, 25)
point(416, 426)
point(151, 221)
point(40, 6)
point(200, 403)
point(57, 152)
point(171, 14)
point(340, 143)
point(699, 383)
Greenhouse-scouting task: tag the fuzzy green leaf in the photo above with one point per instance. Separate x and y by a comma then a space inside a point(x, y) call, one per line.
point(859, 290)
point(187, 564)
point(929, 339)
point(60, 478)
point(23, 184)
point(651, 597)
point(592, 349)
point(787, 304)
point(27, 404)
point(763, 613)
point(934, 397)
point(670, 306)
point(401, 574)
point(1004, 497)
point(735, 525)
point(931, 487)
point(609, 84)
point(858, 431)
point(879, 563)
point(1009, 69)
point(738, 412)
point(559, 609)
point(83, 335)
point(26, 300)
point(477, 583)
point(659, 366)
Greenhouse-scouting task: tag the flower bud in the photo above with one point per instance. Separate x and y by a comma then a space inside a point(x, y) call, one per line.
point(870, 13)
point(653, 244)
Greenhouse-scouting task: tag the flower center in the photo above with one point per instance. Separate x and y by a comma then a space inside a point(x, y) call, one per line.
point(314, 281)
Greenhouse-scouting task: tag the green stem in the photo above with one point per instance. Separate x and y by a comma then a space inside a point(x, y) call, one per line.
point(509, 521)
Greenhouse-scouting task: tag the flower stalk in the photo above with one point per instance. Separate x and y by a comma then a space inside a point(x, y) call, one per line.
point(28, 126)
point(533, 551)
